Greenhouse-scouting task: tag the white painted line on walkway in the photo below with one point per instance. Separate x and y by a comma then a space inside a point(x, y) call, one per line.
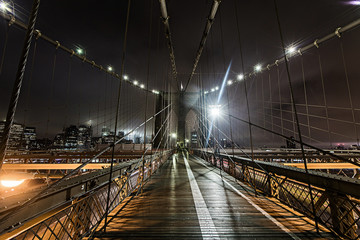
point(276, 222)
point(206, 223)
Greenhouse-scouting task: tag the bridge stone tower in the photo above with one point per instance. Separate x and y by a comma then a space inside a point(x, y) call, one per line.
point(182, 104)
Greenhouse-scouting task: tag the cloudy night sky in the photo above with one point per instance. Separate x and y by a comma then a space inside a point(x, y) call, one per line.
point(59, 90)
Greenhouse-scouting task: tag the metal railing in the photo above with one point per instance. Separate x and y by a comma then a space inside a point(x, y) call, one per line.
point(336, 198)
point(82, 215)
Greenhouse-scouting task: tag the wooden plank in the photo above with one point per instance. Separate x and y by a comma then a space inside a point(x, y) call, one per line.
point(166, 209)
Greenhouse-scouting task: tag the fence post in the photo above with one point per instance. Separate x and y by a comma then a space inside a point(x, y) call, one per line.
point(342, 215)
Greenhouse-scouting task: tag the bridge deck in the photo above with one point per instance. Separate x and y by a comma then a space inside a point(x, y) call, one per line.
point(188, 199)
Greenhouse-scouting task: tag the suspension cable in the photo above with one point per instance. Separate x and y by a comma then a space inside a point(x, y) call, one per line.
point(306, 97)
point(30, 82)
point(349, 92)
point(18, 81)
point(244, 80)
point(165, 18)
point(324, 97)
point(118, 108)
point(264, 170)
point(295, 111)
point(82, 165)
point(50, 100)
point(70, 51)
point(227, 89)
point(147, 85)
point(208, 25)
point(4, 48)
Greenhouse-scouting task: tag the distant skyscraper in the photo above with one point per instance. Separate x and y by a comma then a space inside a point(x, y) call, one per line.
point(71, 137)
point(121, 134)
point(30, 138)
point(59, 140)
point(84, 137)
point(16, 135)
point(105, 131)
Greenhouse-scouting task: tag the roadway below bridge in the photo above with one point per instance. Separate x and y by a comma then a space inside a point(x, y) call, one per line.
point(189, 199)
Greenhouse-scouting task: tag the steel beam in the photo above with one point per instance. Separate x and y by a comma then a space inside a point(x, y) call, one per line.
point(54, 166)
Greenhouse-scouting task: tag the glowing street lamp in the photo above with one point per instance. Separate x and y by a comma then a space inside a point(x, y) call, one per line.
point(240, 77)
point(213, 90)
point(110, 68)
point(216, 88)
point(356, 3)
point(11, 183)
point(6, 8)
point(174, 135)
point(3, 6)
point(291, 50)
point(126, 77)
point(79, 51)
point(135, 82)
point(229, 82)
point(215, 110)
point(258, 68)
point(142, 86)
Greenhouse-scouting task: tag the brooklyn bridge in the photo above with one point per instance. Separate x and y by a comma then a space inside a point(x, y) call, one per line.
point(179, 119)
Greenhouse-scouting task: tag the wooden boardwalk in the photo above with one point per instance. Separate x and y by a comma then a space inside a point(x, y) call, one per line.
point(189, 199)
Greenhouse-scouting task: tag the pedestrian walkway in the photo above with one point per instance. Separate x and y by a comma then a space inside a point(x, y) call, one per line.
point(190, 199)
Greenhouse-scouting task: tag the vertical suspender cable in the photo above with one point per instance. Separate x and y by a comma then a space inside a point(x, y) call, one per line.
point(296, 115)
point(51, 96)
point(67, 92)
point(292, 105)
point(349, 93)
point(105, 105)
point(208, 25)
point(271, 105)
point(4, 48)
point(306, 99)
point(165, 18)
point(117, 112)
point(147, 94)
point(18, 81)
point(227, 89)
point(324, 97)
point(246, 93)
point(263, 100)
point(30, 82)
point(280, 100)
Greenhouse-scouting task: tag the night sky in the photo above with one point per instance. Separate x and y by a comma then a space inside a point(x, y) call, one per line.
point(78, 93)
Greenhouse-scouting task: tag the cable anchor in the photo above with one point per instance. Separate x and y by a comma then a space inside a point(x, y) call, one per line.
point(11, 21)
point(316, 43)
point(38, 34)
point(57, 44)
point(337, 32)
